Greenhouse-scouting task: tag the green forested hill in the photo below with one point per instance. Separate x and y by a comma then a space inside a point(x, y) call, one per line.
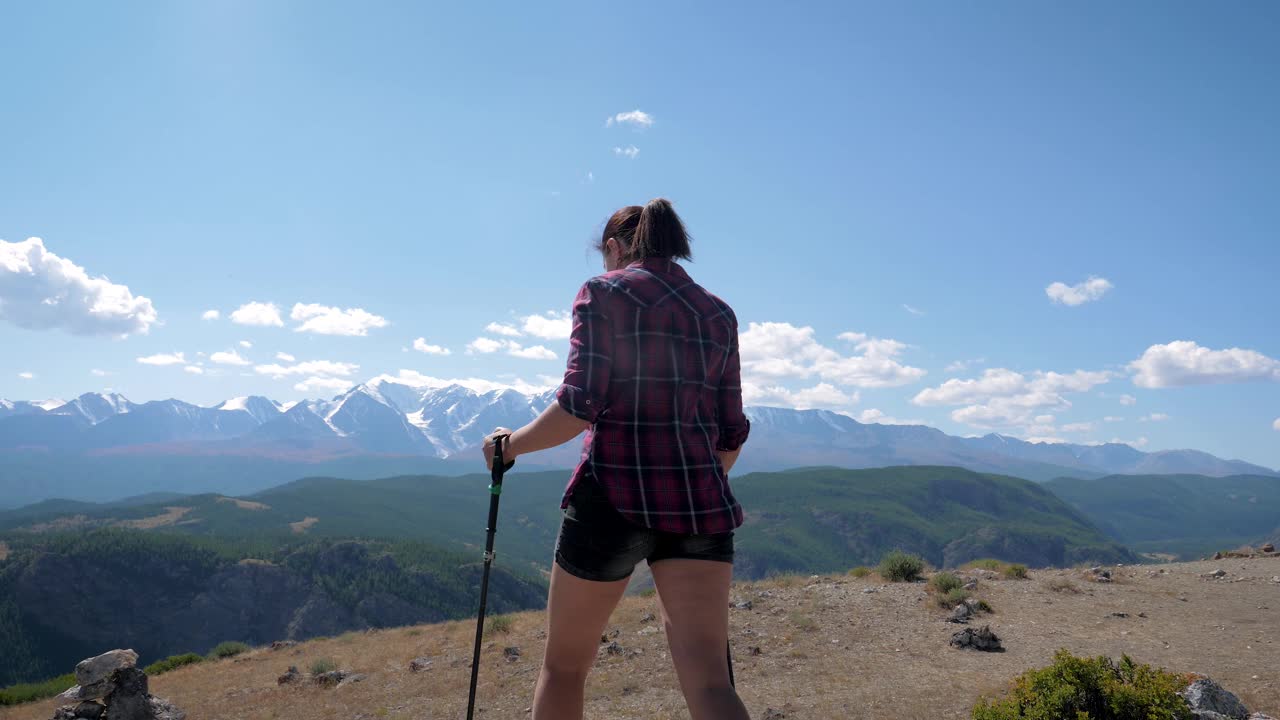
point(1186, 515)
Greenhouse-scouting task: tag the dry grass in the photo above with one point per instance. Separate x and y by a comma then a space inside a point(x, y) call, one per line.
point(245, 504)
point(880, 655)
point(301, 526)
point(170, 516)
point(1062, 585)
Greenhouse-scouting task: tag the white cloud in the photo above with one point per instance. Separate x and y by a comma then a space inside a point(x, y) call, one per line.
point(194, 370)
point(962, 365)
point(230, 357)
point(912, 310)
point(318, 383)
point(773, 351)
point(42, 291)
point(416, 379)
point(258, 314)
point(1154, 417)
point(322, 320)
point(636, 118)
point(246, 344)
point(1128, 400)
point(1276, 425)
point(484, 346)
point(1087, 291)
point(285, 357)
point(534, 352)
point(1004, 398)
point(502, 329)
point(630, 152)
point(210, 315)
point(873, 416)
point(421, 346)
point(98, 373)
point(1112, 419)
point(1079, 427)
point(1184, 362)
point(590, 178)
point(163, 359)
point(1140, 442)
point(310, 367)
point(549, 326)
point(27, 376)
point(822, 395)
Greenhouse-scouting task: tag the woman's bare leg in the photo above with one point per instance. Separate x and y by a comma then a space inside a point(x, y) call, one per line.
point(694, 596)
point(577, 612)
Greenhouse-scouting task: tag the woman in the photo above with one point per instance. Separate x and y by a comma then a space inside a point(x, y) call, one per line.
point(653, 376)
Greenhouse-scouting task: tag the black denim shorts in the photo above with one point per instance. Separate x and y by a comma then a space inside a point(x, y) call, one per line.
point(597, 543)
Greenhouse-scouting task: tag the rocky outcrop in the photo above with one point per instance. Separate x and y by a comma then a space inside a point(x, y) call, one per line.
point(114, 678)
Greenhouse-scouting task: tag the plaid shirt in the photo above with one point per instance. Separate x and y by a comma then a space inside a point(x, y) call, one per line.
point(653, 366)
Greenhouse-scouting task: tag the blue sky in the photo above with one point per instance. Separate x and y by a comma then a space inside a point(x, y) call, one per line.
point(913, 177)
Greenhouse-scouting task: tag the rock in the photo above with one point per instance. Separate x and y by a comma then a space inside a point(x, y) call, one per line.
point(743, 605)
point(512, 653)
point(419, 664)
point(960, 614)
point(330, 679)
point(283, 644)
point(89, 710)
point(291, 676)
point(128, 699)
point(71, 693)
point(1120, 614)
point(65, 712)
point(648, 618)
point(1268, 548)
point(352, 679)
point(982, 639)
point(869, 590)
point(1260, 716)
point(1206, 696)
point(164, 710)
point(971, 585)
point(651, 630)
point(614, 648)
point(93, 675)
point(771, 714)
point(754, 650)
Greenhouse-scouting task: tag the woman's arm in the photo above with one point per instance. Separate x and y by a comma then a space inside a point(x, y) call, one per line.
point(552, 428)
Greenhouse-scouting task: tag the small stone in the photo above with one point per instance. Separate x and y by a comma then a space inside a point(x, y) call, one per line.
point(290, 676)
point(614, 648)
point(352, 679)
point(743, 605)
point(868, 590)
point(971, 585)
point(754, 650)
point(1120, 614)
point(1268, 548)
point(512, 653)
point(1219, 573)
point(330, 679)
point(90, 710)
point(283, 644)
point(771, 714)
point(419, 664)
point(648, 617)
point(651, 630)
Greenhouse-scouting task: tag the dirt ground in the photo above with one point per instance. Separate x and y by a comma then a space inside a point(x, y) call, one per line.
point(828, 648)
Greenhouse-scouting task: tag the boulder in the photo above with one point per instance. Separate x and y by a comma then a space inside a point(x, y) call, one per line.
point(419, 664)
point(89, 710)
point(512, 654)
point(1268, 548)
point(93, 674)
point(290, 676)
point(333, 678)
point(982, 639)
point(128, 699)
point(961, 614)
point(162, 709)
point(1209, 700)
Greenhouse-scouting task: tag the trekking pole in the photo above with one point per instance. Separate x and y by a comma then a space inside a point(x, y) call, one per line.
point(495, 491)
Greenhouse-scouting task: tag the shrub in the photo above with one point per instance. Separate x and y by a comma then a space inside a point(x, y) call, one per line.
point(860, 572)
point(322, 666)
point(945, 582)
point(227, 649)
point(983, 606)
point(898, 566)
point(499, 624)
point(26, 692)
point(1092, 689)
point(1016, 571)
point(1063, 585)
point(173, 662)
point(986, 564)
point(952, 598)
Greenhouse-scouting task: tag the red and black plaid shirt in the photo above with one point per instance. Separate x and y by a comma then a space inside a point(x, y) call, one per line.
point(653, 366)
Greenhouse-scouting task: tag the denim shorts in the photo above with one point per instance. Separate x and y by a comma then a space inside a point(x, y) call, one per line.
point(597, 543)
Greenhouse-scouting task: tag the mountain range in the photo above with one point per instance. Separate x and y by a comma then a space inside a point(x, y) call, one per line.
point(385, 427)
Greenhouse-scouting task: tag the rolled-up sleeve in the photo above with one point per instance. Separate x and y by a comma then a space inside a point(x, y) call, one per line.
point(734, 425)
point(584, 393)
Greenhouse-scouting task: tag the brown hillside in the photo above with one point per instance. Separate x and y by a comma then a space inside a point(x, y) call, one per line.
point(829, 647)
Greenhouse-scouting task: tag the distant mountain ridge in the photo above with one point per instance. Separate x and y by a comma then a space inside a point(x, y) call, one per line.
point(47, 443)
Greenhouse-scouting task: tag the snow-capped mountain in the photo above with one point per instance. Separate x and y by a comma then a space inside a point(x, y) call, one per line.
point(388, 418)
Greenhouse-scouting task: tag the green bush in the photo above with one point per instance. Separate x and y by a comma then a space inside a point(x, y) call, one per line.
point(945, 582)
point(861, 571)
point(323, 665)
point(173, 662)
point(952, 598)
point(983, 606)
point(1016, 571)
point(986, 564)
point(227, 649)
point(1090, 689)
point(499, 624)
point(27, 692)
point(897, 566)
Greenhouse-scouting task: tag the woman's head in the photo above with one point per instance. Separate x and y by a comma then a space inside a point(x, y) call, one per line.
point(639, 233)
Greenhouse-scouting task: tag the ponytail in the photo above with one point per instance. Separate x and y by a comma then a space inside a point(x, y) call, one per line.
point(660, 233)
